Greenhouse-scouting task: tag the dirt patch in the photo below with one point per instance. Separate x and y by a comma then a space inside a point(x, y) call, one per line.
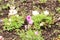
point(49, 33)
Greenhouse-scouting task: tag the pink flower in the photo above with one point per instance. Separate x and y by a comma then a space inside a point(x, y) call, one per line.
point(36, 33)
point(1, 38)
point(30, 22)
point(28, 18)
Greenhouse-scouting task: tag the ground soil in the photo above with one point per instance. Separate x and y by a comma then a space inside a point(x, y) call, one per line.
point(48, 34)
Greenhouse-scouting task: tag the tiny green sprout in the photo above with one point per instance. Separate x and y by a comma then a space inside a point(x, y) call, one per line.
point(5, 6)
point(58, 9)
point(43, 1)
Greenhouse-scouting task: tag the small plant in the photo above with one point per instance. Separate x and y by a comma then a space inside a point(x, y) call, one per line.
point(58, 9)
point(41, 18)
point(43, 1)
point(30, 35)
point(14, 22)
